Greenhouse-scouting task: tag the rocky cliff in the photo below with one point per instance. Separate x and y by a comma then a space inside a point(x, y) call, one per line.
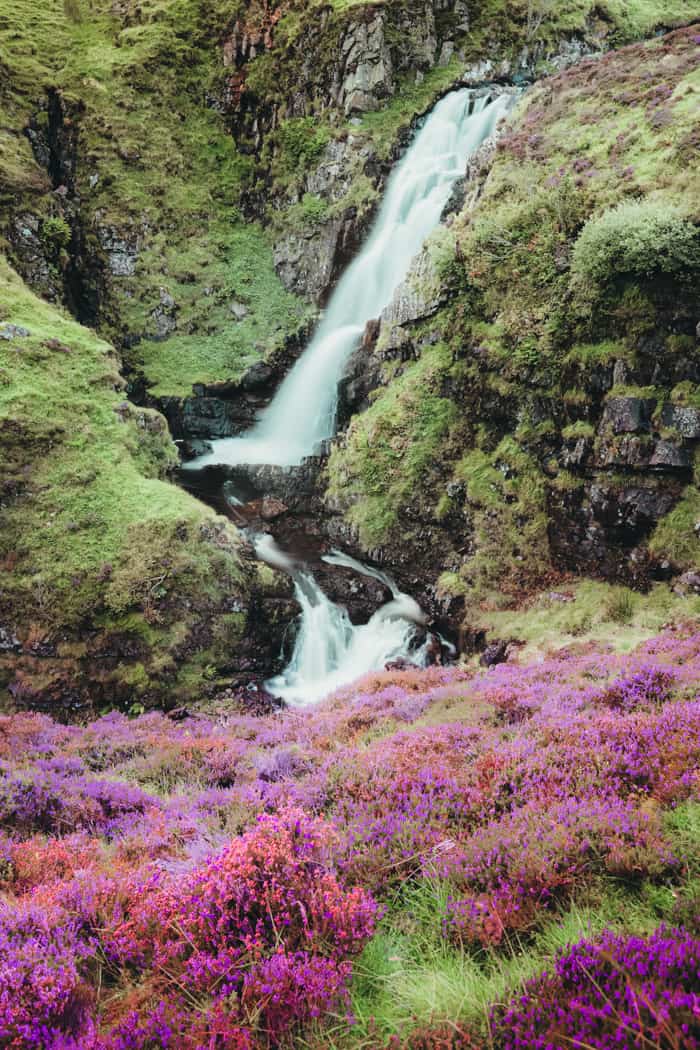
point(533, 386)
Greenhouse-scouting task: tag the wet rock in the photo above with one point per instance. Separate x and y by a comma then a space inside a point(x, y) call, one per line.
point(630, 509)
point(628, 415)
point(258, 375)
point(271, 508)
point(415, 299)
point(495, 653)
point(193, 449)
point(684, 419)
point(205, 417)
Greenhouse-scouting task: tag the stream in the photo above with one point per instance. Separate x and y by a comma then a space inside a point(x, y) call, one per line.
point(330, 651)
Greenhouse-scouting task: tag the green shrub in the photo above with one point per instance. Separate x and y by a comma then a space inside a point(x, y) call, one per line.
point(56, 233)
point(639, 239)
point(302, 141)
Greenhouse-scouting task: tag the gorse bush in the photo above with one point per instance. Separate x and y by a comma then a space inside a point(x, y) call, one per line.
point(636, 239)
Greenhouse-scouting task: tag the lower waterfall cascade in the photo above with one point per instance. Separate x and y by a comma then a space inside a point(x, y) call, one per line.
point(329, 650)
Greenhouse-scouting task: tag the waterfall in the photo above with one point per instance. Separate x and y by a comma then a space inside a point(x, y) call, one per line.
point(302, 414)
point(329, 650)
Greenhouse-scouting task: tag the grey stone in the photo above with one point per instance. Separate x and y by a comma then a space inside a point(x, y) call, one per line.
point(239, 310)
point(628, 415)
point(446, 53)
point(625, 451)
point(304, 261)
point(367, 66)
point(193, 449)
point(121, 249)
point(259, 374)
point(332, 177)
point(13, 331)
point(9, 642)
point(668, 456)
point(685, 419)
point(574, 453)
point(164, 315)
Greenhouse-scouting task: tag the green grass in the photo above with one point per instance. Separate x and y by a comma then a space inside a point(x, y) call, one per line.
point(409, 976)
point(392, 447)
point(591, 611)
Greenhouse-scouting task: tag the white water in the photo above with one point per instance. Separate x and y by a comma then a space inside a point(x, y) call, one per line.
point(302, 413)
point(330, 652)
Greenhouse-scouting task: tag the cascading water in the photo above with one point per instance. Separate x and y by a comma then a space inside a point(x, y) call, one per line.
point(302, 414)
point(329, 650)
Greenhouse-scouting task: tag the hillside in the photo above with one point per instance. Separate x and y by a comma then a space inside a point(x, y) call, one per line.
point(188, 179)
point(393, 868)
point(349, 525)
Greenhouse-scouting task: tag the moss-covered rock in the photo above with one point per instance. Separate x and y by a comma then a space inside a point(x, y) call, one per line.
point(112, 580)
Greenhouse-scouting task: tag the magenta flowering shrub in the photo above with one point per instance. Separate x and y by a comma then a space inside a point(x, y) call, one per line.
point(518, 868)
point(265, 923)
point(207, 883)
point(650, 684)
point(43, 988)
point(620, 993)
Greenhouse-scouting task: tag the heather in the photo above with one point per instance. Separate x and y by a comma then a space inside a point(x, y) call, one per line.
point(411, 852)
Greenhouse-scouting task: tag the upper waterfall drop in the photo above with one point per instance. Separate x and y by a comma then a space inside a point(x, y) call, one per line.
point(302, 413)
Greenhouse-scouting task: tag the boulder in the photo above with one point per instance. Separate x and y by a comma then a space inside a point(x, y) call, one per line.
point(684, 419)
point(13, 331)
point(668, 456)
point(194, 449)
point(628, 415)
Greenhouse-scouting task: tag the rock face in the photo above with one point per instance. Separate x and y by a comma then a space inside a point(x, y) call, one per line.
point(306, 261)
point(550, 462)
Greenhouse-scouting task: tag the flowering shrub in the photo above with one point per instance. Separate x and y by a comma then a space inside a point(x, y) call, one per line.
point(622, 992)
point(43, 991)
point(208, 883)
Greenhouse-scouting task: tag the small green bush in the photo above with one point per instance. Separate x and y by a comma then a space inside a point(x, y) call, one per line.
point(302, 140)
point(639, 239)
point(56, 233)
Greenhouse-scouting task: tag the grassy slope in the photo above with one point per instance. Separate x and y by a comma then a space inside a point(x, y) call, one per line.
point(164, 169)
point(581, 142)
point(89, 531)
